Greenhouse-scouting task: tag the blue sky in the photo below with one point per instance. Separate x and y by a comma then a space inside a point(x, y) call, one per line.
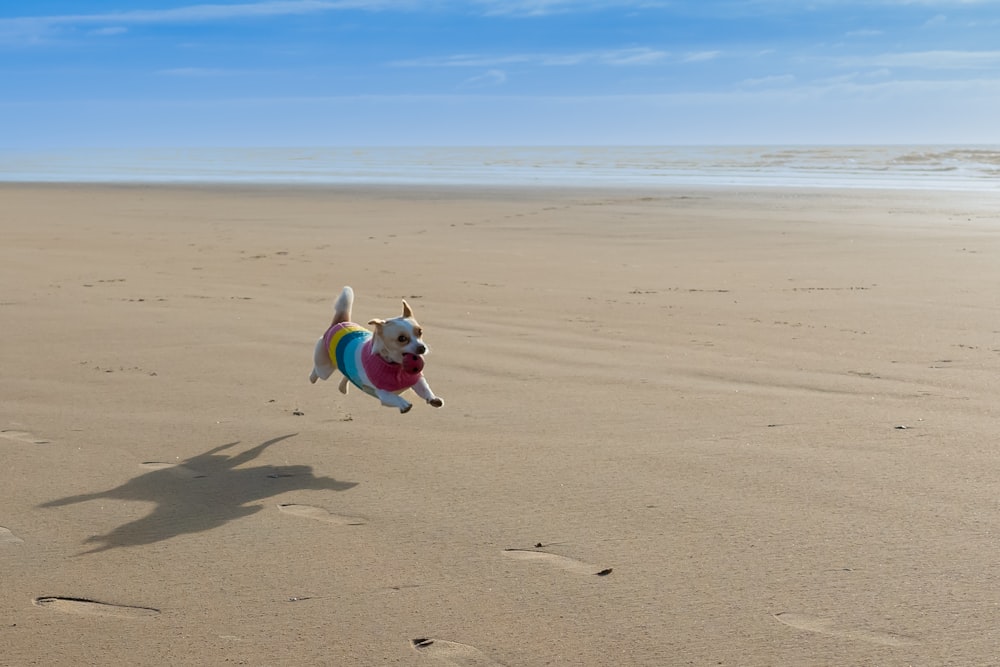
point(122, 73)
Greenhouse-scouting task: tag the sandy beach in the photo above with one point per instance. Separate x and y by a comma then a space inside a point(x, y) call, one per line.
point(682, 427)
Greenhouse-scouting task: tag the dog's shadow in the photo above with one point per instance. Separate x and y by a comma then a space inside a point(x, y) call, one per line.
point(199, 494)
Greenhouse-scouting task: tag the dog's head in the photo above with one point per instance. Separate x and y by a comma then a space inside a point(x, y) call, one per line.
point(398, 336)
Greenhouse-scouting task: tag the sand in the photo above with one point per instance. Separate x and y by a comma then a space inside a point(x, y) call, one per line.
point(681, 427)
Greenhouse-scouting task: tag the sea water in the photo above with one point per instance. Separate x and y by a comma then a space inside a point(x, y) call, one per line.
point(974, 168)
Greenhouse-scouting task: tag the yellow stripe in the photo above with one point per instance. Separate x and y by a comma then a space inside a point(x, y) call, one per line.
point(335, 339)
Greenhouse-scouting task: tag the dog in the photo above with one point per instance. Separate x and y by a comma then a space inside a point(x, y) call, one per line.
point(383, 363)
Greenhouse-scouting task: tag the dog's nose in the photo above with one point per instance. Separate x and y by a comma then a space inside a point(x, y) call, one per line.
point(421, 349)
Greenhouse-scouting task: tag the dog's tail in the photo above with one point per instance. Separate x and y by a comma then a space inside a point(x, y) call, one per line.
point(342, 306)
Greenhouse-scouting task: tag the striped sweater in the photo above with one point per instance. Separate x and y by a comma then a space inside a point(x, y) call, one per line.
point(350, 349)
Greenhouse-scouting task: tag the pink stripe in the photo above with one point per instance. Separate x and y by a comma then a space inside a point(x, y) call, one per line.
point(384, 375)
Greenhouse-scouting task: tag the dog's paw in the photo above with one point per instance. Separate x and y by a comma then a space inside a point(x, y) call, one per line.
point(436, 402)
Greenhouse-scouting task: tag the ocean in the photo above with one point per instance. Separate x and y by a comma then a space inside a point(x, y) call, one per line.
point(970, 168)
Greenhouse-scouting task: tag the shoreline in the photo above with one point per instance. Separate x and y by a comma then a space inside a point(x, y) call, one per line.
point(541, 187)
point(949, 167)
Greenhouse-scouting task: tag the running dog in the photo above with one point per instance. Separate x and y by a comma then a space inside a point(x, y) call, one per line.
point(384, 362)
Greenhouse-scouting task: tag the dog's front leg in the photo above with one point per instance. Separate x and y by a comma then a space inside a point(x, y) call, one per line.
point(423, 390)
point(392, 400)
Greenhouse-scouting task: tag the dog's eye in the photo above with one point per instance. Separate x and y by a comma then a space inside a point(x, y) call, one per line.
point(402, 339)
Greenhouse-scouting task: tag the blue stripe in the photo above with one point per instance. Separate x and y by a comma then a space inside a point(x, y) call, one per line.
point(347, 357)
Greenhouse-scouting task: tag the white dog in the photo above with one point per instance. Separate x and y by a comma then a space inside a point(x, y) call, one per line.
point(383, 363)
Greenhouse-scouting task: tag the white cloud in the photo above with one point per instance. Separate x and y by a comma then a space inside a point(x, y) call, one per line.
point(942, 3)
point(930, 60)
point(631, 56)
point(268, 8)
point(27, 29)
point(637, 56)
point(796, 5)
point(195, 71)
point(926, 89)
point(464, 60)
point(205, 12)
point(489, 78)
point(878, 73)
point(196, 13)
point(34, 29)
point(774, 80)
point(701, 56)
point(109, 31)
point(838, 80)
point(529, 8)
point(865, 33)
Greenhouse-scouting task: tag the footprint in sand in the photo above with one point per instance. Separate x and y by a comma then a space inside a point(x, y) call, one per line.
point(320, 514)
point(174, 469)
point(452, 653)
point(23, 436)
point(7, 537)
point(826, 626)
point(563, 562)
point(94, 608)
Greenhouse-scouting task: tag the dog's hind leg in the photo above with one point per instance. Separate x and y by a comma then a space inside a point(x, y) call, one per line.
point(322, 367)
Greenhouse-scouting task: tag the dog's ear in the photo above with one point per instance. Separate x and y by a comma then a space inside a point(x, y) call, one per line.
point(407, 311)
point(377, 324)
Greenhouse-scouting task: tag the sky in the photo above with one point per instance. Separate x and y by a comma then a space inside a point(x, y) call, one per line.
point(165, 73)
